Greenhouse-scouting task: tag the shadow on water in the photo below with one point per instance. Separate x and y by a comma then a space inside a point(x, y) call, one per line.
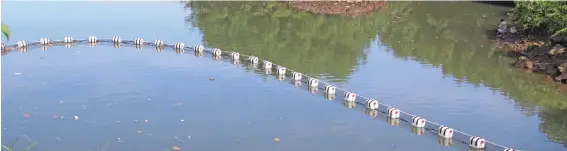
point(453, 39)
point(301, 41)
point(458, 44)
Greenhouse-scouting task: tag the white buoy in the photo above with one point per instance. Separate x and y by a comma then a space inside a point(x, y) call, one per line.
point(92, 39)
point(235, 55)
point(393, 112)
point(217, 51)
point(267, 64)
point(199, 48)
point(477, 142)
point(329, 89)
point(138, 41)
point(22, 43)
point(313, 82)
point(68, 40)
point(445, 141)
point(179, 46)
point(158, 43)
point(296, 75)
point(44, 41)
point(418, 122)
point(253, 59)
point(372, 104)
point(116, 39)
point(349, 96)
point(445, 132)
point(281, 70)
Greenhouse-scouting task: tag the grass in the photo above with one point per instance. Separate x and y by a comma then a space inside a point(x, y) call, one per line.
point(30, 144)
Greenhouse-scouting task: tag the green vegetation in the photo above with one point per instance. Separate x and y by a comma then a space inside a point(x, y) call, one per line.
point(6, 31)
point(311, 44)
point(547, 16)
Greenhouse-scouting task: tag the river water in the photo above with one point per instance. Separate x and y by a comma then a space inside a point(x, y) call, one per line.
point(432, 62)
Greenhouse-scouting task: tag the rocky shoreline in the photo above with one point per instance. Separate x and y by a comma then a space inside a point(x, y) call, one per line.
point(547, 56)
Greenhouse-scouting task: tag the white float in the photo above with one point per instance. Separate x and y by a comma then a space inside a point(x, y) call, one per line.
point(235, 55)
point(138, 41)
point(313, 82)
point(281, 70)
point(418, 122)
point(179, 46)
point(296, 75)
point(477, 142)
point(92, 39)
point(22, 43)
point(445, 132)
point(253, 59)
point(267, 64)
point(116, 39)
point(216, 52)
point(393, 113)
point(199, 48)
point(349, 96)
point(158, 43)
point(68, 40)
point(329, 89)
point(372, 104)
point(44, 41)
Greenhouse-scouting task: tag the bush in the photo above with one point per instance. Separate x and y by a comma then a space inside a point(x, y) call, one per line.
point(546, 16)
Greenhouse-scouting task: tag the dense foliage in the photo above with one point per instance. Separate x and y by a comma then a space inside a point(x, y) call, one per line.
point(548, 16)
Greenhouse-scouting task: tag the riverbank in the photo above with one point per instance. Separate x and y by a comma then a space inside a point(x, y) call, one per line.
point(343, 8)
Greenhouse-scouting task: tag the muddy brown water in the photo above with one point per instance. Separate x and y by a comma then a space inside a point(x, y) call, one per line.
point(436, 63)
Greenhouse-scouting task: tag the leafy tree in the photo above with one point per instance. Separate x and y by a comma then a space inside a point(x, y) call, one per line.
point(548, 16)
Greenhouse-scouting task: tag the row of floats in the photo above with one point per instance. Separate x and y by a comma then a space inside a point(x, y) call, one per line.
point(372, 106)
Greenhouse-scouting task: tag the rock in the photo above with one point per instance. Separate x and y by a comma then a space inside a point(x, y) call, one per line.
point(524, 62)
point(557, 50)
point(559, 39)
point(562, 67)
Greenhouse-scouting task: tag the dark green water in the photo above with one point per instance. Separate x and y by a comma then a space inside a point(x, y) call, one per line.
point(432, 59)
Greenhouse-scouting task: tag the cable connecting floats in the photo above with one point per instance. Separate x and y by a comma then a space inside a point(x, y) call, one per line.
point(394, 115)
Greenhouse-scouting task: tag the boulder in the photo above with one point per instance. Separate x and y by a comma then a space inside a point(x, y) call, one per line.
point(558, 39)
point(557, 50)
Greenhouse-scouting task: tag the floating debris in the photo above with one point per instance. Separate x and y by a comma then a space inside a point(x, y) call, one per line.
point(182, 120)
point(26, 115)
point(212, 79)
point(145, 121)
point(55, 116)
point(276, 139)
point(175, 148)
point(17, 73)
point(76, 118)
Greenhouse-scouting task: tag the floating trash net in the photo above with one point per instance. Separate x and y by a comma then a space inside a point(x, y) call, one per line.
point(445, 135)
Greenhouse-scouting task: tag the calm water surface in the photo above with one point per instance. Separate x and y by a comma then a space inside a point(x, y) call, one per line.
point(436, 63)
